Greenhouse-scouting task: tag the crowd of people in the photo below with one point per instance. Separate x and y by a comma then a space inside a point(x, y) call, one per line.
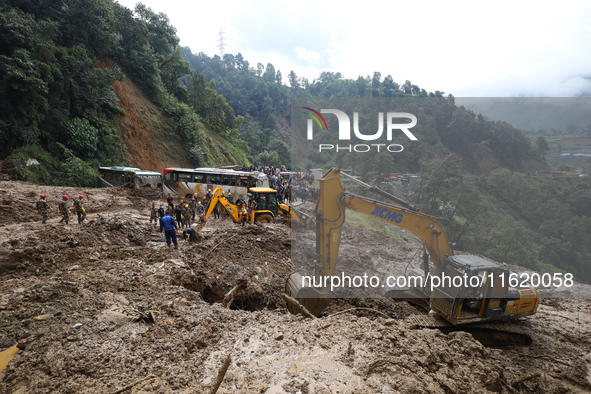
point(290, 186)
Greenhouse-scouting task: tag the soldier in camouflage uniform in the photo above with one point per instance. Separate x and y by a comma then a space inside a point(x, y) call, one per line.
point(63, 208)
point(79, 209)
point(154, 214)
point(187, 215)
point(193, 207)
point(42, 207)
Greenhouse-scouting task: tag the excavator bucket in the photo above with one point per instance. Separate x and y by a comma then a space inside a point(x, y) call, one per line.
point(314, 300)
point(199, 224)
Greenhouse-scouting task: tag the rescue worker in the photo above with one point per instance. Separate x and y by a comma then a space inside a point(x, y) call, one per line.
point(230, 198)
point(170, 201)
point(63, 208)
point(190, 234)
point(243, 214)
point(216, 212)
point(200, 209)
point(187, 214)
point(179, 215)
point(169, 226)
point(42, 206)
point(161, 211)
point(192, 207)
point(80, 211)
point(154, 214)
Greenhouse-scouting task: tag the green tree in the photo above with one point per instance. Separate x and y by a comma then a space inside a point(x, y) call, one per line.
point(269, 74)
point(82, 137)
point(282, 149)
point(512, 242)
point(542, 146)
point(563, 167)
point(293, 80)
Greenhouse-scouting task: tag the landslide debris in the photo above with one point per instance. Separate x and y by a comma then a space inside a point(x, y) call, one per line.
point(108, 306)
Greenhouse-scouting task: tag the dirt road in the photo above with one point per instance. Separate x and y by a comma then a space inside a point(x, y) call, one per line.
point(108, 308)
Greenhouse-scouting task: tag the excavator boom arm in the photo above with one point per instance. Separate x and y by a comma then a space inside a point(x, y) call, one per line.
point(330, 216)
point(217, 196)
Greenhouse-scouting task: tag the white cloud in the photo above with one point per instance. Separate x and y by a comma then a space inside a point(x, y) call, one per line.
point(464, 48)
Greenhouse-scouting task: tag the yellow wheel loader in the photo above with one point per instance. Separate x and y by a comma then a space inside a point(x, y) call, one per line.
point(267, 209)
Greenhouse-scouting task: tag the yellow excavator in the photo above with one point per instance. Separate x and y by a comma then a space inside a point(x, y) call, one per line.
point(268, 209)
point(474, 290)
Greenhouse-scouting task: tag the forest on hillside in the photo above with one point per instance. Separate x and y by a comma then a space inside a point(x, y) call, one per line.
point(260, 95)
point(53, 89)
point(539, 222)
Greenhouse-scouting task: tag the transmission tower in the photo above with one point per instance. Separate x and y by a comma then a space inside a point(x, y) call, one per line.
point(222, 42)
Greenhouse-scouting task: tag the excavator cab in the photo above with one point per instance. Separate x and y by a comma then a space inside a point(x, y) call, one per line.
point(478, 289)
point(266, 205)
point(266, 199)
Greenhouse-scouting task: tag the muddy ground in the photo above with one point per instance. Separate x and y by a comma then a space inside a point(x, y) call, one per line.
point(108, 308)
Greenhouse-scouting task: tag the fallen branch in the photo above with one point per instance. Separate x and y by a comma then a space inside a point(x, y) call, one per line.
point(366, 309)
point(129, 386)
point(92, 169)
point(229, 297)
point(212, 249)
point(221, 374)
point(296, 304)
point(525, 378)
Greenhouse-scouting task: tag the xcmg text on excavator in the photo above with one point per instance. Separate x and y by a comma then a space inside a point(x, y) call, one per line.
point(268, 209)
point(482, 295)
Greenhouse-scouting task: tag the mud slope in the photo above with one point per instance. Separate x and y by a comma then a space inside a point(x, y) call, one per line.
point(108, 308)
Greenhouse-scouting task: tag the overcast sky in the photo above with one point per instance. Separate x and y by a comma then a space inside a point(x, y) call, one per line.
point(477, 49)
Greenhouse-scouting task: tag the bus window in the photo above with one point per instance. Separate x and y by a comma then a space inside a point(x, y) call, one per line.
point(252, 183)
point(243, 182)
point(200, 178)
point(233, 180)
point(215, 179)
point(184, 177)
point(168, 176)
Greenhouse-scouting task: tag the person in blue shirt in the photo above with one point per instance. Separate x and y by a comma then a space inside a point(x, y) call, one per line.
point(169, 226)
point(189, 233)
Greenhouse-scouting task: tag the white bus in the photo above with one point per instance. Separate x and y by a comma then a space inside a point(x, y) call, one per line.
point(119, 176)
point(185, 182)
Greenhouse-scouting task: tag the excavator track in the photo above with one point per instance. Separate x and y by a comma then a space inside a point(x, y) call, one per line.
point(493, 333)
point(411, 295)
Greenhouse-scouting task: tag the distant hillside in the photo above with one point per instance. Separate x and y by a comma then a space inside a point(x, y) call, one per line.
point(533, 113)
point(259, 94)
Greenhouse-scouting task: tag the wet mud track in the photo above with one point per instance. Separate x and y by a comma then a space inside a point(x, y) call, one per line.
point(107, 307)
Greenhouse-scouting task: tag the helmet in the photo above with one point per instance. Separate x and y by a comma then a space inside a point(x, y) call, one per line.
point(192, 198)
point(205, 198)
point(195, 194)
point(65, 197)
point(186, 206)
point(199, 203)
point(208, 190)
point(81, 196)
point(181, 201)
point(43, 196)
point(229, 194)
